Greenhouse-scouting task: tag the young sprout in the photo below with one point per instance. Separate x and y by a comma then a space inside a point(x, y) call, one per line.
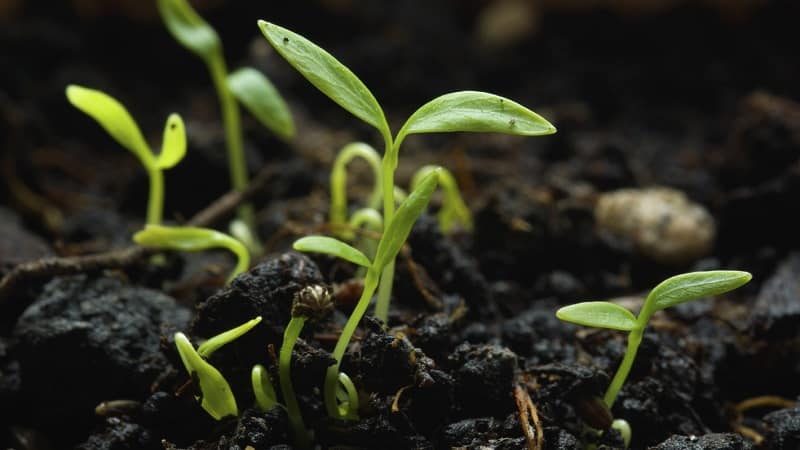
point(312, 302)
point(248, 85)
point(670, 292)
point(217, 398)
point(262, 388)
point(393, 238)
point(469, 111)
point(454, 211)
point(117, 121)
point(338, 213)
point(193, 239)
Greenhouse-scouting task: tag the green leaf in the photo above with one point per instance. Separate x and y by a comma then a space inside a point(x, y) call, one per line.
point(396, 232)
point(694, 285)
point(331, 246)
point(226, 337)
point(217, 399)
point(599, 315)
point(327, 74)
point(477, 112)
point(259, 96)
point(114, 118)
point(193, 239)
point(262, 388)
point(189, 29)
point(173, 147)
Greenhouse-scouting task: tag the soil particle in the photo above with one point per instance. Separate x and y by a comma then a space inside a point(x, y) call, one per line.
point(177, 419)
point(558, 439)
point(662, 224)
point(475, 432)
point(484, 376)
point(434, 335)
point(776, 311)
point(714, 441)
point(456, 271)
point(564, 391)
point(784, 429)
point(99, 338)
point(119, 434)
point(18, 244)
point(266, 290)
point(538, 335)
point(261, 430)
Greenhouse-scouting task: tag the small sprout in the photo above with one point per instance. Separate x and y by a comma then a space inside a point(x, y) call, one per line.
point(338, 212)
point(312, 302)
point(624, 429)
point(672, 291)
point(193, 239)
point(250, 87)
point(262, 388)
point(454, 211)
point(389, 245)
point(217, 398)
point(117, 121)
point(112, 408)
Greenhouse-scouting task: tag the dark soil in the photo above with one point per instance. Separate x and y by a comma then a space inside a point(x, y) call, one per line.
point(700, 97)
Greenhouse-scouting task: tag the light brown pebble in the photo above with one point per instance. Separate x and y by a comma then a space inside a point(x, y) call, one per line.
point(662, 223)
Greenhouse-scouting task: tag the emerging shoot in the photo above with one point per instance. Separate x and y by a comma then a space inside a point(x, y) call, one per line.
point(194, 239)
point(312, 302)
point(454, 212)
point(338, 212)
point(249, 86)
point(217, 398)
point(117, 121)
point(670, 292)
point(469, 111)
point(338, 396)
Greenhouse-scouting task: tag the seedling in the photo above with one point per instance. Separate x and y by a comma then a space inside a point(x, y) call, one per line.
point(117, 121)
point(312, 302)
point(670, 292)
point(193, 239)
point(217, 398)
point(262, 388)
point(249, 86)
point(454, 212)
point(339, 398)
point(338, 212)
point(457, 111)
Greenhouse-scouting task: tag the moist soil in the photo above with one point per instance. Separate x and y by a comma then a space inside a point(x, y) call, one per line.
point(688, 110)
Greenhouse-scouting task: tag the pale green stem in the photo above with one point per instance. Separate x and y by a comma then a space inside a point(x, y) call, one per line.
point(385, 293)
point(233, 136)
point(332, 375)
point(293, 330)
point(155, 203)
point(387, 278)
point(634, 339)
point(338, 181)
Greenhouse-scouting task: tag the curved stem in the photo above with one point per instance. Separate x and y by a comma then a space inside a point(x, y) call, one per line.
point(155, 202)
point(634, 339)
point(332, 375)
point(290, 335)
point(338, 181)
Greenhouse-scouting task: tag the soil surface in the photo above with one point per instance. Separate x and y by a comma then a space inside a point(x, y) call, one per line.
point(678, 149)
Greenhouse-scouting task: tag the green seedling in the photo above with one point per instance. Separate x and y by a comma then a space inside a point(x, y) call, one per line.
point(194, 239)
point(454, 212)
point(339, 400)
point(338, 212)
point(262, 388)
point(247, 85)
point(117, 121)
point(315, 303)
point(217, 398)
point(670, 292)
point(469, 111)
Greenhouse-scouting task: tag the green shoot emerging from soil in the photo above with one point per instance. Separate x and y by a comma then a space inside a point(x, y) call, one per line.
point(670, 292)
point(391, 241)
point(217, 398)
point(470, 111)
point(193, 239)
point(338, 212)
point(454, 212)
point(249, 86)
point(262, 388)
point(312, 302)
point(117, 121)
